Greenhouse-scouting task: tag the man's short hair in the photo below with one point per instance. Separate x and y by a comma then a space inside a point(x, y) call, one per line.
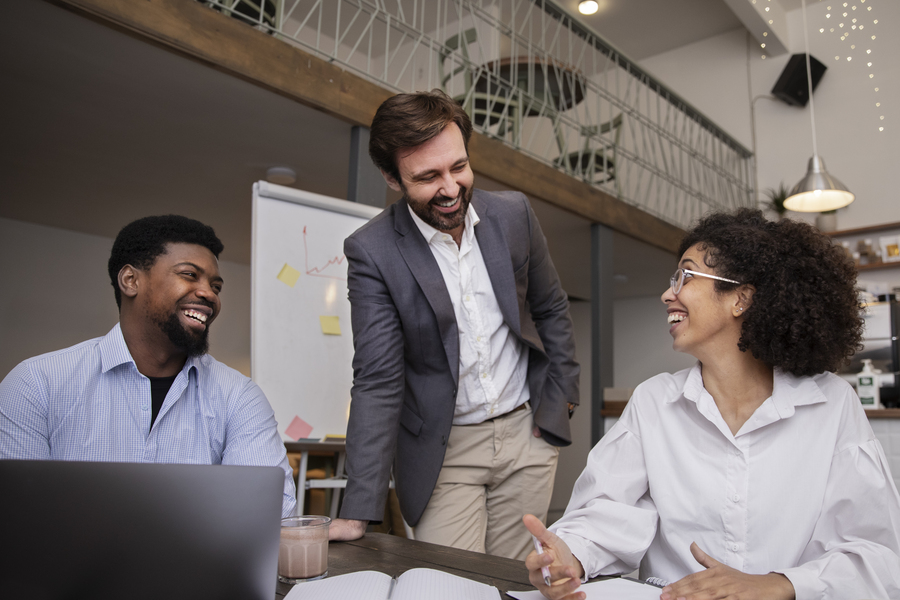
point(141, 242)
point(410, 120)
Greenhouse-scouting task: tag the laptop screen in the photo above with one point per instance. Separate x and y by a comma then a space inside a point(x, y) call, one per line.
point(130, 530)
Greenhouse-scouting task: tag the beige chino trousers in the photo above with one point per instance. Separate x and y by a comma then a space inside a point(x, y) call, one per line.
point(493, 473)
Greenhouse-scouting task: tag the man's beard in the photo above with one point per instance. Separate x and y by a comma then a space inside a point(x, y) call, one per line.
point(182, 338)
point(439, 220)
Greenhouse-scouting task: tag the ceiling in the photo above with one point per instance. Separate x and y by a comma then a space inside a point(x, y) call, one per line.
point(642, 28)
point(100, 128)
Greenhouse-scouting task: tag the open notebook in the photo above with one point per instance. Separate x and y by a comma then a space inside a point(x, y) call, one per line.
point(415, 584)
point(608, 589)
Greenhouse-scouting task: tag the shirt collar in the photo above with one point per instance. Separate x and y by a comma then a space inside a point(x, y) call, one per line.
point(788, 391)
point(431, 234)
point(114, 352)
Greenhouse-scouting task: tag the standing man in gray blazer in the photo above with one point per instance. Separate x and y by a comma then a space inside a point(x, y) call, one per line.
point(464, 375)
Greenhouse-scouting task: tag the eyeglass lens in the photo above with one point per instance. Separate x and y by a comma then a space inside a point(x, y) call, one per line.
point(677, 280)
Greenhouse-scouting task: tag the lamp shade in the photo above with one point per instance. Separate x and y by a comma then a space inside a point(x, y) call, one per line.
point(818, 191)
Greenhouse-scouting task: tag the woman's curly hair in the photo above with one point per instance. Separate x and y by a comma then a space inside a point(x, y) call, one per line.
point(805, 315)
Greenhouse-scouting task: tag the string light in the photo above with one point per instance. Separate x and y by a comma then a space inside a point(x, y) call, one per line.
point(845, 29)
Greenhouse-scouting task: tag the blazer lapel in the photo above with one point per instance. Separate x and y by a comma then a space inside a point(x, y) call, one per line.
point(495, 251)
point(421, 262)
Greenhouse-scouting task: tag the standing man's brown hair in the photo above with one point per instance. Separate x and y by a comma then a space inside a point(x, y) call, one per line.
point(410, 120)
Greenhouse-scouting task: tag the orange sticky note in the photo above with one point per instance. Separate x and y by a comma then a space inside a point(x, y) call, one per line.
point(298, 429)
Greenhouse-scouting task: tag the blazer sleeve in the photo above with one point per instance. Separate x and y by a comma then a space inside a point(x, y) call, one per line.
point(378, 384)
point(549, 308)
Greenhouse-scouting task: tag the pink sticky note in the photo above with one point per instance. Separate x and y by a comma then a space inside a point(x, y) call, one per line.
point(298, 429)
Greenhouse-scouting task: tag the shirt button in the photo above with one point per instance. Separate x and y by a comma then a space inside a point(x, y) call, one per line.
point(490, 412)
point(483, 375)
point(467, 298)
point(734, 547)
point(478, 339)
point(145, 408)
point(736, 497)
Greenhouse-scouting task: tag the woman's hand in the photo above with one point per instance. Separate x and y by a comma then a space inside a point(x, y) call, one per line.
point(565, 570)
point(719, 581)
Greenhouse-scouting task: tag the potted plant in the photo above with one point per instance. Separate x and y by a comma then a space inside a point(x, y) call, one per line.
point(827, 221)
point(776, 197)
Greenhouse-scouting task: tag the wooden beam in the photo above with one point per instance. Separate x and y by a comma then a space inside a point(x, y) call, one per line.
point(519, 171)
point(196, 31)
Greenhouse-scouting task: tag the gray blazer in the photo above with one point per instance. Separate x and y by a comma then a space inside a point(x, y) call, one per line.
point(406, 361)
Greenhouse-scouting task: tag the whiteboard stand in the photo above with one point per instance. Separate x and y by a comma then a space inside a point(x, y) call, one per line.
point(337, 483)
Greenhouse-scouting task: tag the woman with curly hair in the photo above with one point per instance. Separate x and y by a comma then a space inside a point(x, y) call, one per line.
point(754, 474)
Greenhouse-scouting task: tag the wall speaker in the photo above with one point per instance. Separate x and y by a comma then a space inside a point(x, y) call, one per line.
point(792, 86)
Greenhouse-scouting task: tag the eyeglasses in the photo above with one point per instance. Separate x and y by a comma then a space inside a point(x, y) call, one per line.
point(676, 282)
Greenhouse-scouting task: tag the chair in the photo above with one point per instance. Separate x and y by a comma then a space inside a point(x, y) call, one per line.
point(594, 166)
point(486, 101)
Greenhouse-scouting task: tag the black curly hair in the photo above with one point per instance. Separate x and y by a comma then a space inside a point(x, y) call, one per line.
point(805, 315)
point(141, 242)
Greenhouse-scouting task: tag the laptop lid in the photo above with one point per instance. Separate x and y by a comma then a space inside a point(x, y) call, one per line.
point(130, 530)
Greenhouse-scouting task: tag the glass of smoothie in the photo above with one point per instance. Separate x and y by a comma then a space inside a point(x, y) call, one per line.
point(303, 552)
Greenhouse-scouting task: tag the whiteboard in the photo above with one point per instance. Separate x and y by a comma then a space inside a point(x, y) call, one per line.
point(299, 274)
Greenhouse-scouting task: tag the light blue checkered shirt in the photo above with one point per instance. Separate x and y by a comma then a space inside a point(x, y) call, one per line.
point(90, 403)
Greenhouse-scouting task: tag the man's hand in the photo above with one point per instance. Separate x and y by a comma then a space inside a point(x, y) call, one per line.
point(344, 530)
point(719, 581)
point(565, 570)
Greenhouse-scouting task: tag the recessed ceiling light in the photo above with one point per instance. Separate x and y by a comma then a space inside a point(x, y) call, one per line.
point(588, 7)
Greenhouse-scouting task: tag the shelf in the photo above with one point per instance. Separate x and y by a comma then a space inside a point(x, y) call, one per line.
point(864, 230)
point(861, 232)
point(877, 266)
point(883, 413)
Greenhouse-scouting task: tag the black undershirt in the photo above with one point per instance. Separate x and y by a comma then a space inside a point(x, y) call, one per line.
point(159, 387)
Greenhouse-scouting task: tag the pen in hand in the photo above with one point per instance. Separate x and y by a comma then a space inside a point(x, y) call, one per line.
point(539, 548)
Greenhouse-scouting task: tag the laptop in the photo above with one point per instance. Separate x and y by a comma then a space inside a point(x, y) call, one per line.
point(128, 530)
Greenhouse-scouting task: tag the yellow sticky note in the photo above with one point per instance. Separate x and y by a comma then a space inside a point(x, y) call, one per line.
point(330, 325)
point(288, 275)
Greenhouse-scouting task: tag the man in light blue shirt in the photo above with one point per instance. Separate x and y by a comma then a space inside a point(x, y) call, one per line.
point(147, 391)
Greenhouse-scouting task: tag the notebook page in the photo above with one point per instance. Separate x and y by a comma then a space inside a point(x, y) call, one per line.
point(363, 585)
point(608, 589)
point(429, 584)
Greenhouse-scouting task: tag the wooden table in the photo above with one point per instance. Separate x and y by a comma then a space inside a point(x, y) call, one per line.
point(395, 555)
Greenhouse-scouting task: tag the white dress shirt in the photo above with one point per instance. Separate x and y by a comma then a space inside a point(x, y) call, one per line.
point(493, 367)
point(803, 489)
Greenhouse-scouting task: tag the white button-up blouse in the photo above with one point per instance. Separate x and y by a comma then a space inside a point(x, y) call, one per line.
point(802, 489)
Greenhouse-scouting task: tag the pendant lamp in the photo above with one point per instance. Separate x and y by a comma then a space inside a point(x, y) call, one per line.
point(817, 191)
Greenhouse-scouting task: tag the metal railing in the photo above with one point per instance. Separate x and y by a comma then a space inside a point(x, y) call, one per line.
point(532, 76)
